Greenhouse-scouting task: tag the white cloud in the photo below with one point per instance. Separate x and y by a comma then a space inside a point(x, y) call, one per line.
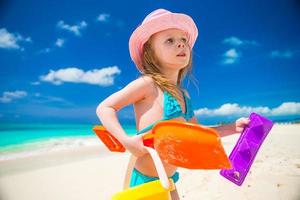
point(11, 40)
point(230, 109)
point(59, 42)
point(287, 108)
point(102, 77)
point(104, 17)
point(282, 54)
point(72, 28)
point(235, 41)
point(7, 97)
point(231, 56)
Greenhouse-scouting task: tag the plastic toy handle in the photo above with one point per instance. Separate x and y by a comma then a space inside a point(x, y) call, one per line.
point(163, 177)
point(108, 139)
point(113, 143)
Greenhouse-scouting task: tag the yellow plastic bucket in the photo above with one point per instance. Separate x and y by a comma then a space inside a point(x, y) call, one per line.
point(148, 191)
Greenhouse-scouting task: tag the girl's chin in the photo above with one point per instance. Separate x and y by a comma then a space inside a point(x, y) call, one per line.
point(179, 66)
point(182, 65)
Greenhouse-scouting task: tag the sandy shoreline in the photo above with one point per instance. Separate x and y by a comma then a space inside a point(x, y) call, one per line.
point(94, 173)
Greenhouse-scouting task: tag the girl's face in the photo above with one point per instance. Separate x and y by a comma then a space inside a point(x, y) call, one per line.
point(171, 48)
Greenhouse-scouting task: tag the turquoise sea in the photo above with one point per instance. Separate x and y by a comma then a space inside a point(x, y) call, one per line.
point(21, 140)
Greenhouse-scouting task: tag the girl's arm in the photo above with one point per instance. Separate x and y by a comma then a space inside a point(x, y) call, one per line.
point(229, 129)
point(225, 130)
point(107, 109)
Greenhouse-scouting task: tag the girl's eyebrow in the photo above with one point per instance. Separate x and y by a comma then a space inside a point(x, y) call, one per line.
point(171, 35)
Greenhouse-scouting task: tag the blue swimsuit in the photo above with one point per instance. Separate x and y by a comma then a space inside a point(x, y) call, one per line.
point(172, 109)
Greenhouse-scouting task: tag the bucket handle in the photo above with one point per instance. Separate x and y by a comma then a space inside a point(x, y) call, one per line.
point(164, 180)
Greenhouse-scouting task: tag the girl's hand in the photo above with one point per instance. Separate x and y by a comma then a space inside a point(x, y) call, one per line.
point(135, 145)
point(241, 123)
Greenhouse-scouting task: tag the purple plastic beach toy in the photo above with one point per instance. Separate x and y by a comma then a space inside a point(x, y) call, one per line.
point(246, 148)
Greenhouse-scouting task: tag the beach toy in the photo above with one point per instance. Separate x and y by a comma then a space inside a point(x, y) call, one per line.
point(108, 139)
point(147, 191)
point(182, 144)
point(158, 190)
point(189, 145)
point(245, 151)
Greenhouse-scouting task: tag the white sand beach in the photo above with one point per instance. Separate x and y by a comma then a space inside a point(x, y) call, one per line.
point(94, 173)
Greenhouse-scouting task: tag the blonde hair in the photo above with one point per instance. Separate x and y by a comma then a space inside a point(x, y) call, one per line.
point(152, 69)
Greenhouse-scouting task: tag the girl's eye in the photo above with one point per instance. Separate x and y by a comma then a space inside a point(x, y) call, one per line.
point(170, 40)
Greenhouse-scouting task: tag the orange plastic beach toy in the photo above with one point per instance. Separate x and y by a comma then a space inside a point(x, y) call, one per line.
point(179, 143)
point(108, 139)
point(189, 145)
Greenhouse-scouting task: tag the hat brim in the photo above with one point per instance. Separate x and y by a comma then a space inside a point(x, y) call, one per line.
point(170, 20)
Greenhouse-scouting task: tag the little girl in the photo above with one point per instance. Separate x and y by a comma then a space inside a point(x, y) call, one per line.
point(161, 48)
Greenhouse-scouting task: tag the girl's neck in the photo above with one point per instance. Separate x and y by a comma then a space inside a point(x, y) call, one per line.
point(171, 74)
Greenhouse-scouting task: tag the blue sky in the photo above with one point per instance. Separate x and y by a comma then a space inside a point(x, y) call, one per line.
point(60, 59)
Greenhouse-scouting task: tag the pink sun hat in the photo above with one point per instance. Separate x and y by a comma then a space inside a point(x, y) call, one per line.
point(157, 21)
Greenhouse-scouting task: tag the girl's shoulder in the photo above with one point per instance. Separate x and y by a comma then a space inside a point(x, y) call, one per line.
point(147, 79)
point(143, 82)
point(142, 86)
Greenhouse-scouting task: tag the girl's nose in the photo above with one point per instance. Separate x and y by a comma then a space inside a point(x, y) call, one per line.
point(180, 45)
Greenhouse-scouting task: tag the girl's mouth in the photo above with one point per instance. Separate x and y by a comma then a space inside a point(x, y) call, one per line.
point(181, 55)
